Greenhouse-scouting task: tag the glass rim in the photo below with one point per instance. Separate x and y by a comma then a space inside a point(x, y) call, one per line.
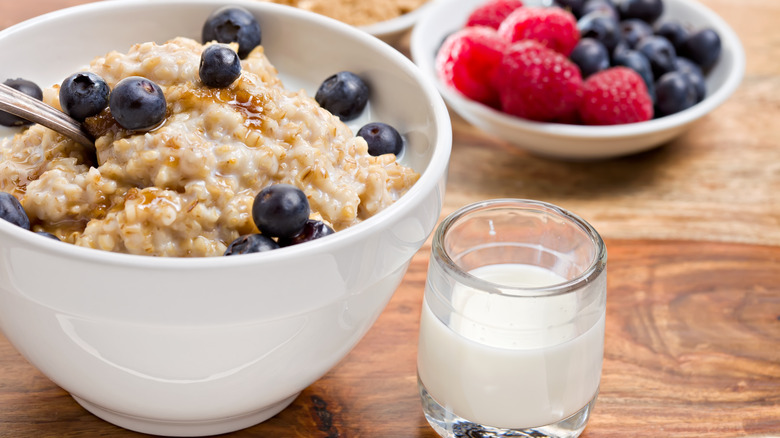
point(594, 269)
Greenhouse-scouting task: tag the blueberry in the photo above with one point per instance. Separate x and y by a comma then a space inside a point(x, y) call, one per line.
point(673, 93)
point(702, 47)
point(639, 63)
point(603, 6)
point(12, 211)
point(280, 210)
point(250, 243)
point(573, 6)
point(646, 10)
point(694, 75)
point(27, 87)
point(83, 95)
point(660, 52)
point(313, 229)
point(590, 56)
point(381, 138)
point(602, 27)
point(344, 94)
point(233, 24)
point(634, 30)
point(46, 234)
point(220, 66)
point(673, 31)
point(620, 48)
point(137, 104)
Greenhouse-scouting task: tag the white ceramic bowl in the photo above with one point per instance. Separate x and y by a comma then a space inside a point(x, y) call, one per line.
point(391, 31)
point(576, 141)
point(188, 347)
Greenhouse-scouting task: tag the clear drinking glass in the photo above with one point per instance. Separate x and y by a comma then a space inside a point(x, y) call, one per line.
point(512, 326)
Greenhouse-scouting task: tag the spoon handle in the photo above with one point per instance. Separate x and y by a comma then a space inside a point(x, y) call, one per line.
point(29, 108)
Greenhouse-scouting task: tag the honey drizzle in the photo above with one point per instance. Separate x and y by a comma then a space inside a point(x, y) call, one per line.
point(250, 105)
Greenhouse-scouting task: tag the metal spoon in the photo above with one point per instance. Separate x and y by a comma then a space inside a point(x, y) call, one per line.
point(29, 108)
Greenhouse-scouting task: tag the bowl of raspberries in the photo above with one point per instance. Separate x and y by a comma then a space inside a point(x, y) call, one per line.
point(579, 79)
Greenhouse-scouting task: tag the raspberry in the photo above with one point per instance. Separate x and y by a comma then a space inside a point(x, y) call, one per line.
point(537, 83)
point(467, 61)
point(615, 96)
point(492, 13)
point(554, 27)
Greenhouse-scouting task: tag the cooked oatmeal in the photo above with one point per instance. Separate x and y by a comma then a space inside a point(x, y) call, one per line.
point(186, 188)
point(356, 12)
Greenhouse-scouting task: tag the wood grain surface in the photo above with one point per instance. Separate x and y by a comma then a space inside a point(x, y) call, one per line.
point(691, 350)
point(693, 317)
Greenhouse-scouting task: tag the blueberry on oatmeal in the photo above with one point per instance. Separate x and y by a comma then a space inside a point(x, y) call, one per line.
point(280, 210)
point(344, 94)
point(313, 229)
point(137, 104)
point(381, 138)
point(27, 87)
point(250, 243)
point(12, 211)
point(233, 24)
point(83, 95)
point(48, 235)
point(219, 67)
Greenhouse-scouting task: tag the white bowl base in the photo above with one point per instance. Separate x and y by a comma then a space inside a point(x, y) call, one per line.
point(185, 428)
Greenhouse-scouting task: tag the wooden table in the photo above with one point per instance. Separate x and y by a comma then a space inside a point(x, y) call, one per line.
point(693, 317)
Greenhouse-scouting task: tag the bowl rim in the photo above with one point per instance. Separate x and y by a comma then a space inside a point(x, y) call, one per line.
point(429, 179)
point(734, 74)
point(397, 24)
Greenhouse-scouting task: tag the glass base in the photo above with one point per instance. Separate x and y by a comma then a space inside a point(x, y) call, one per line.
point(449, 425)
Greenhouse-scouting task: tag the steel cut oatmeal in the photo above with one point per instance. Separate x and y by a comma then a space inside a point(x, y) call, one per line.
point(186, 187)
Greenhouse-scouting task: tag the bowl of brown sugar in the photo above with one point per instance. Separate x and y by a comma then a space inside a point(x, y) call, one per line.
point(387, 20)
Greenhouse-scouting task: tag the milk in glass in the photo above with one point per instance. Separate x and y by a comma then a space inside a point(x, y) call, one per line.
point(491, 364)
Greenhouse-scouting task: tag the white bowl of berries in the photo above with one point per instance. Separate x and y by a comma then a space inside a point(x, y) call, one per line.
point(113, 281)
point(579, 79)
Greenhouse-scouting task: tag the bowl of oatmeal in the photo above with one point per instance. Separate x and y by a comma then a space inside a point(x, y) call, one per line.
point(139, 316)
point(388, 20)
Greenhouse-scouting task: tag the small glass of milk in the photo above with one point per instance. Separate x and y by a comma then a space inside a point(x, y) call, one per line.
point(512, 326)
